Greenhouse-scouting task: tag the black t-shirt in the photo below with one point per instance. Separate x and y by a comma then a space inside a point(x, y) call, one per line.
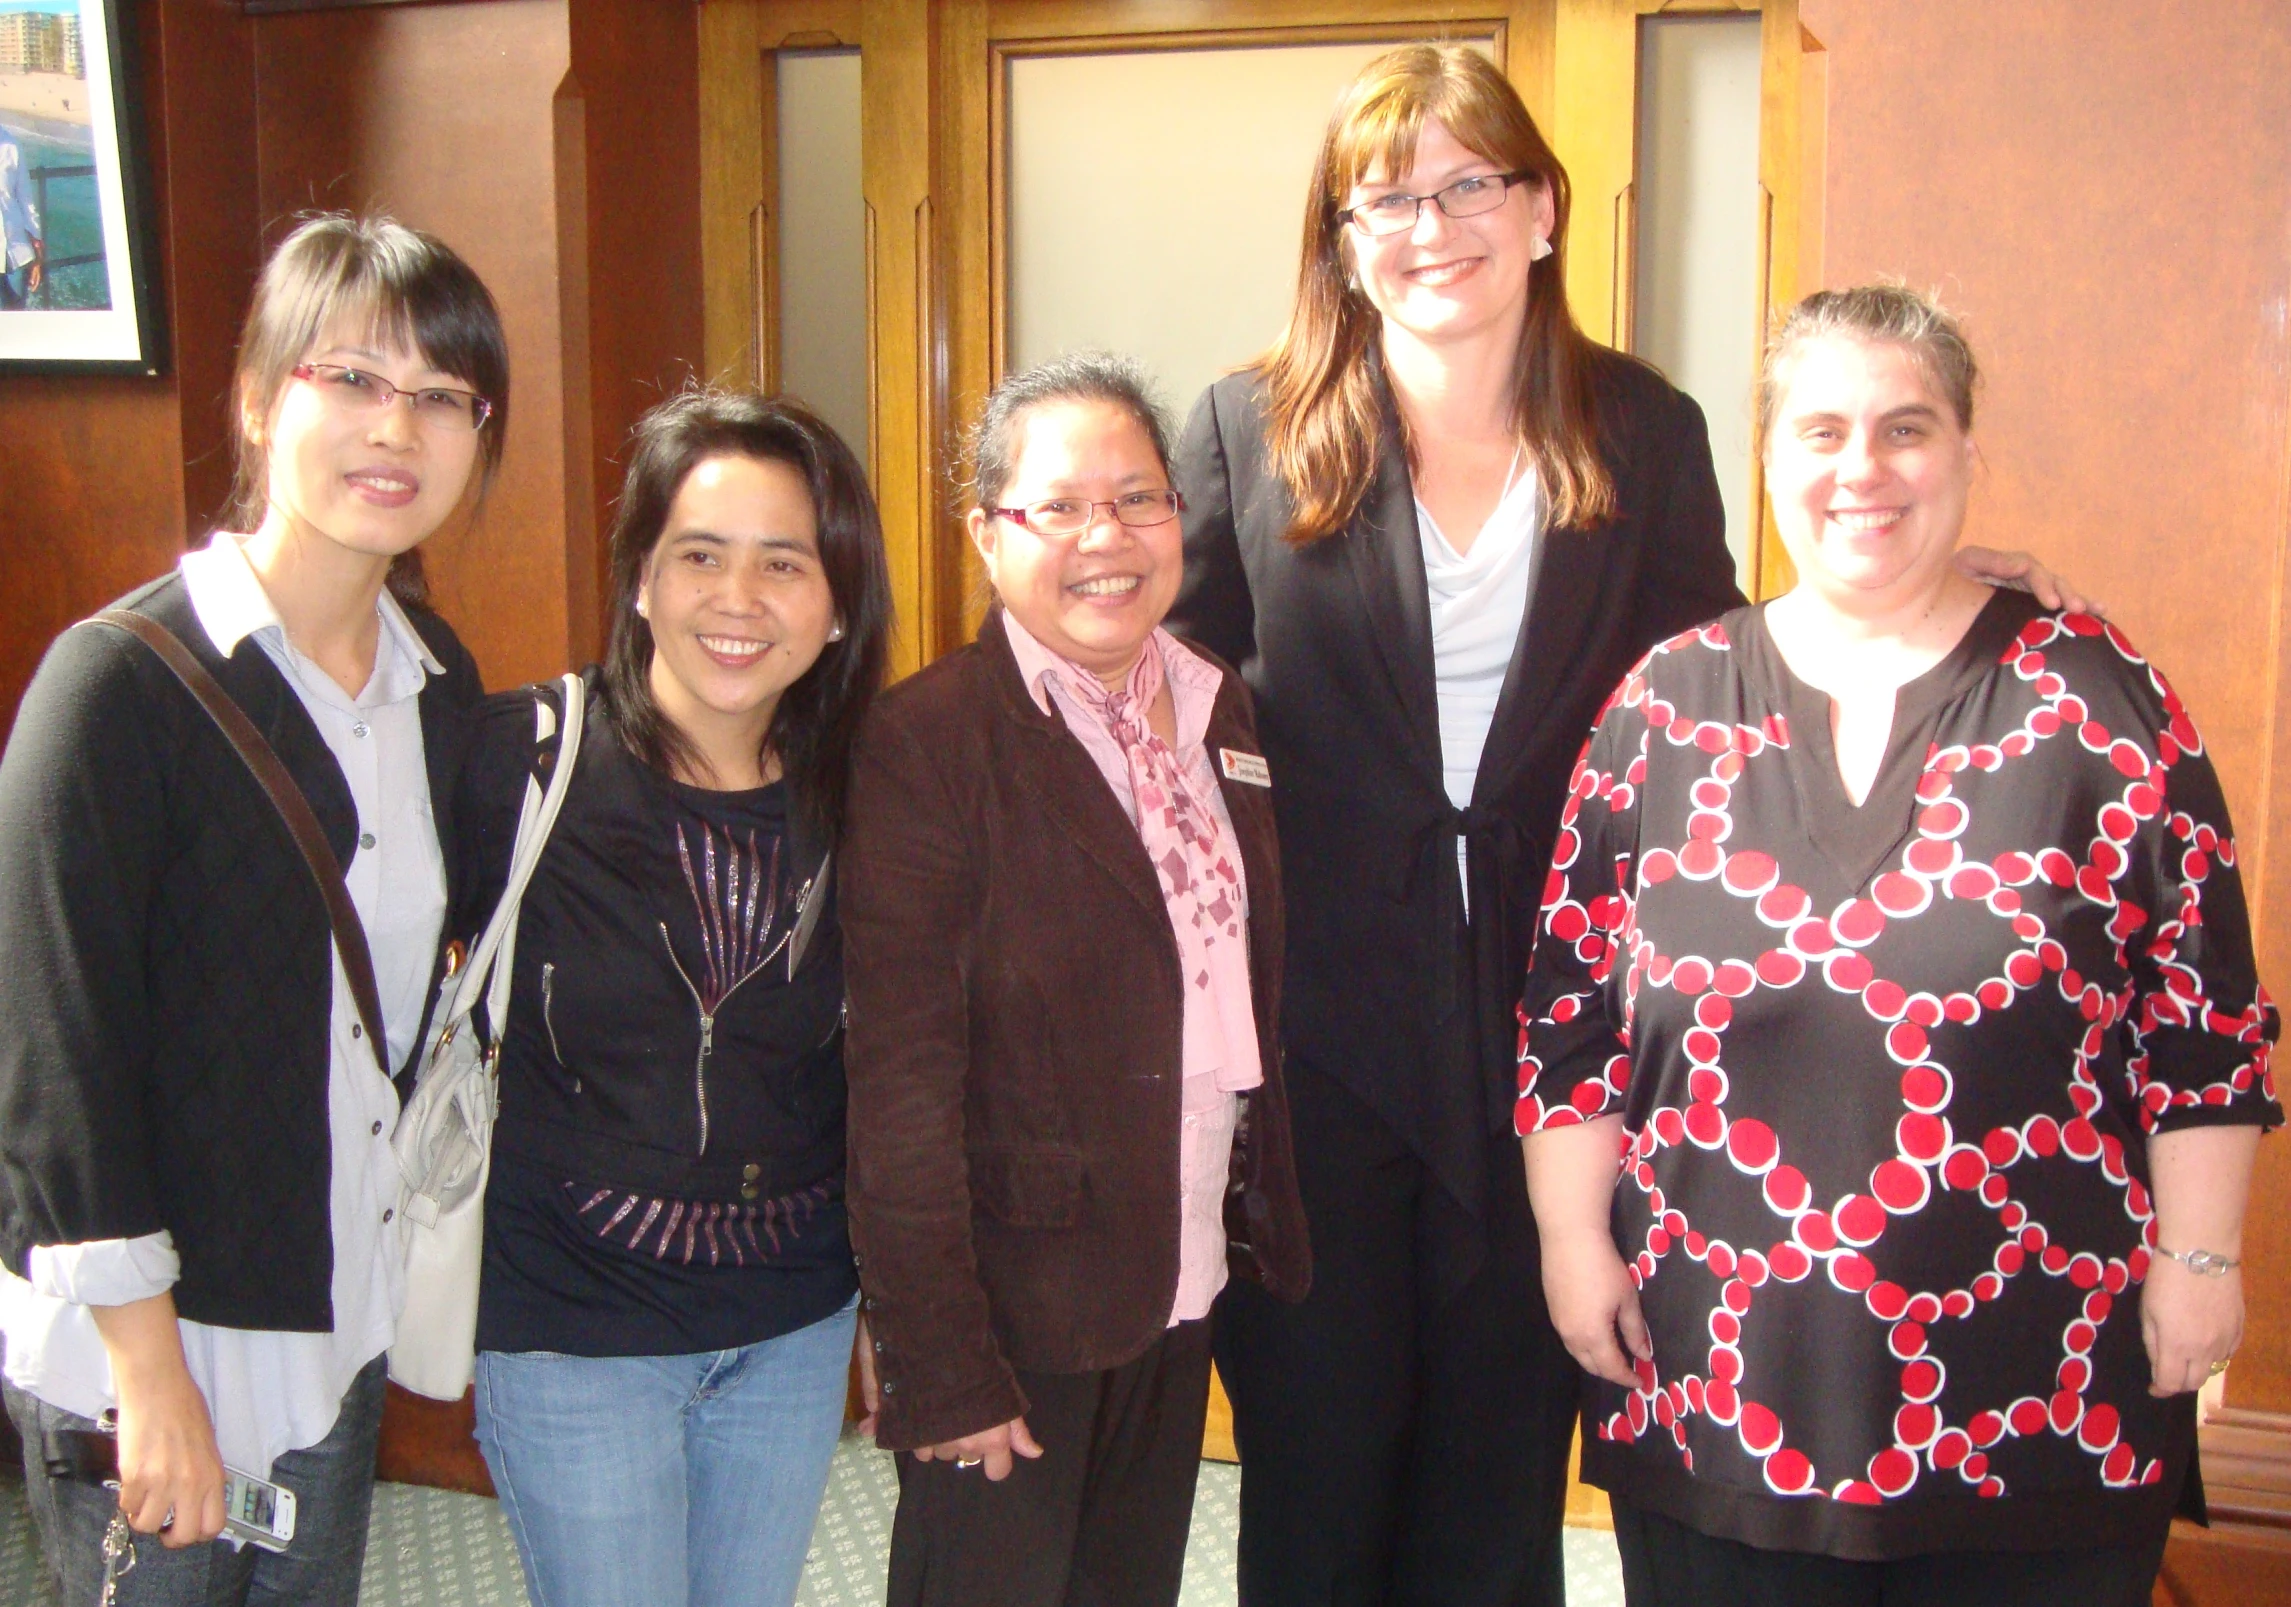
point(593, 1265)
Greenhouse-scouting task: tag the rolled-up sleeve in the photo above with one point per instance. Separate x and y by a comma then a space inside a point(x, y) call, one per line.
point(2203, 1030)
point(107, 1272)
point(1574, 1055)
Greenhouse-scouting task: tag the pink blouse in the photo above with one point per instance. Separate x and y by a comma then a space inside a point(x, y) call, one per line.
point(1220, 1034)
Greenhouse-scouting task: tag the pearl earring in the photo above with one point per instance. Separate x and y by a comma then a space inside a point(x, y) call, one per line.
point(835, 631)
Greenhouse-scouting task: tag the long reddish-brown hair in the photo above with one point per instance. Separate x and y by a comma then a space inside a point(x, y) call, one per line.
point(1322, 377)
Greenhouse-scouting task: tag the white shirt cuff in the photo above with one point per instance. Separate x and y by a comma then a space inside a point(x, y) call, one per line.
point(107, 1272)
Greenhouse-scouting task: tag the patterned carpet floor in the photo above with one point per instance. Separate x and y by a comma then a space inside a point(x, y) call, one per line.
point(432, 1548)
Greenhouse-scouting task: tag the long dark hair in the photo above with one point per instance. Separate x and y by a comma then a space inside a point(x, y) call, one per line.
point(818, 717)
point(1322, 376)
point(408, 289)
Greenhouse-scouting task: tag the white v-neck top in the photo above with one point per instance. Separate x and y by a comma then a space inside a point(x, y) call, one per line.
point(1479, 600)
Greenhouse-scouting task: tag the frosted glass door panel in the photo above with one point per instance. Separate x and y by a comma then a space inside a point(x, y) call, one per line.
point(1156, 201)
point(823, 240)
point(1695, 314)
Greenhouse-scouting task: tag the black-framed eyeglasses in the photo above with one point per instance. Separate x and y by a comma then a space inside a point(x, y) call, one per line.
point(1068, 516)
point(1466, 198)
point(354, 390)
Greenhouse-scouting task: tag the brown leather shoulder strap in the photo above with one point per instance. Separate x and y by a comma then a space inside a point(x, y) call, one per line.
point(293, 808)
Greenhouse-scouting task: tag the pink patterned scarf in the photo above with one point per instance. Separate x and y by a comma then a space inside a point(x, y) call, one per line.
point(1200, 881)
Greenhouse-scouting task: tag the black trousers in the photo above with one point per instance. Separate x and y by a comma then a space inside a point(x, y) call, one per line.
point(1398, 1446)
point(1667, 1564)
point(1100, 1519)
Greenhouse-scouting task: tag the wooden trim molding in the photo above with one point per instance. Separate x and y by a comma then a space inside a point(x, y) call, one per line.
point(2247, 1466)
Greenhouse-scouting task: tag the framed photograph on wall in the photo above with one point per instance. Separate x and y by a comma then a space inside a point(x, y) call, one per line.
point(78, 272)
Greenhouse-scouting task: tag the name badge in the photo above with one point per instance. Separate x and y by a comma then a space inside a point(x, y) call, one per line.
point(1247, 768)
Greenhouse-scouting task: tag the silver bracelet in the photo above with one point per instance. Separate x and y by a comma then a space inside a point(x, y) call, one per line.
point(2205, 1262)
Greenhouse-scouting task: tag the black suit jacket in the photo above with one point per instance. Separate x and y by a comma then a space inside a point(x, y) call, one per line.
point(165, 1006)
point(1389, 989)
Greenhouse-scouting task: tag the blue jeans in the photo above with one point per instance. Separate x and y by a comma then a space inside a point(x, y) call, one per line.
point(654, 1481)
point(333, 1484)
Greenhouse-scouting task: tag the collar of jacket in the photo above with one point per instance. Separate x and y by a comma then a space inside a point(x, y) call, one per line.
point(1386, 552)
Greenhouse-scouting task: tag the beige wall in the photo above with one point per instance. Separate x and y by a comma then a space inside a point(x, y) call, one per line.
point(823, 240)
point(1695, 311)
point(1201, 155)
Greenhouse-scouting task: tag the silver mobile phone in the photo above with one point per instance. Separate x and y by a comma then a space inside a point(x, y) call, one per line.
point(257, 1511)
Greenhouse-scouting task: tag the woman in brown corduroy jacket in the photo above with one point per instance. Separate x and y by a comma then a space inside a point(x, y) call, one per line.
point(1062, 918)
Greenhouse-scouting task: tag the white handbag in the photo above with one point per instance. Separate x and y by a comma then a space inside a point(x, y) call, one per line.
point(444, 1137)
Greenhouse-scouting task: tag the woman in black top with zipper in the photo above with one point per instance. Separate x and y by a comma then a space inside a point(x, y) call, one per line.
point(666, 1310)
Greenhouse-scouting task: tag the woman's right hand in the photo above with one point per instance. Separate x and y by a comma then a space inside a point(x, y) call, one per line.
point(1592, 1302)
point(993, 1446)
point(168, 1460)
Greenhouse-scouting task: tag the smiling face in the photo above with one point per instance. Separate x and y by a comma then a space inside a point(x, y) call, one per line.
point(375, 481)
point(1096, 595)
point(1869, 472)
point(1449, 279)
point(738, 602)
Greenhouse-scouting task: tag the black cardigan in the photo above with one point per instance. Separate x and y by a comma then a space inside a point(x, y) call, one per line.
point(1389, 990)
point(165, 1006)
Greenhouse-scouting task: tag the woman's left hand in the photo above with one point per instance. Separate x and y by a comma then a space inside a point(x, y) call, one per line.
point(2021, 571)
point(2190, 1322)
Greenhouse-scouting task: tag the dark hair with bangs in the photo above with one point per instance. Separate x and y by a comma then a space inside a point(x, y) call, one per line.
point(403, 287)
point(818, 717)
point(1323, 376)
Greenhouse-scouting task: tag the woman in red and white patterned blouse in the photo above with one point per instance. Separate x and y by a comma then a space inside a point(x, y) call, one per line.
point(1895, 938)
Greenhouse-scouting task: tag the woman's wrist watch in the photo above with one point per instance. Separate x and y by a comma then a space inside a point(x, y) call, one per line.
point(2208, 1263)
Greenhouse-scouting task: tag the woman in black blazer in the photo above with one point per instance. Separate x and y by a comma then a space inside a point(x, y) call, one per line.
point(1404, 1431)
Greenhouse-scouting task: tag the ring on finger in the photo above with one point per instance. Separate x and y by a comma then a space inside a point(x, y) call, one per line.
point(2220, 1366)
point(966, 1461)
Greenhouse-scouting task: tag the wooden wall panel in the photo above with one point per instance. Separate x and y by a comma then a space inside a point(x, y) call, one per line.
point(442, 115)
point(637, 62)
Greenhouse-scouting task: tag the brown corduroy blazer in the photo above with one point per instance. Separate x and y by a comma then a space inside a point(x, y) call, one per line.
point(1016, 1019)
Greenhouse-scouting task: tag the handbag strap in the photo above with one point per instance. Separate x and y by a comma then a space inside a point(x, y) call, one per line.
point(293, 809)
point(490, 962)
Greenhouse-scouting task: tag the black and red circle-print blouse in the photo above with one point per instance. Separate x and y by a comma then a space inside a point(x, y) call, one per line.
point(1887, 1075)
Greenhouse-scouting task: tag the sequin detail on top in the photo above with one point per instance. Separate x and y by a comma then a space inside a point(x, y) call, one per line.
point(736, 906)
point(697, 1230)
point(737, 902)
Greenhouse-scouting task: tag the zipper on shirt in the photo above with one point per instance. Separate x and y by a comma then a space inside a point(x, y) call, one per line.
point(707, 1031)
point(549, 1005)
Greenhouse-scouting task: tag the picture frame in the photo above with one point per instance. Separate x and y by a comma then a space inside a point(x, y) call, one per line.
point(78, 257)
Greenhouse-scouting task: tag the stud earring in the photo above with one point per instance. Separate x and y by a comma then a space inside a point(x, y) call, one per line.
point(835, 631)
point(642, 612)
point(1538, 251)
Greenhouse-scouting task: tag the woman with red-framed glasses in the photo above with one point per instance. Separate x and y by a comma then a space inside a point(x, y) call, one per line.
point(197, 1194)
point(1062, 920)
